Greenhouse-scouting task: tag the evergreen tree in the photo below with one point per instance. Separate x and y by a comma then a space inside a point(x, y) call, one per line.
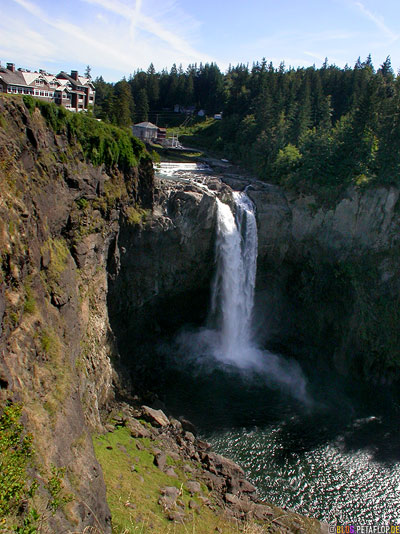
point(123, 105)
point(142, 107)
point(152, 86)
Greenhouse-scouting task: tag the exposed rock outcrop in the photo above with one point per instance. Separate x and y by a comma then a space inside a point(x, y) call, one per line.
point(67, 230)
point(330, 275)
point(59, 219)
point(96, 262)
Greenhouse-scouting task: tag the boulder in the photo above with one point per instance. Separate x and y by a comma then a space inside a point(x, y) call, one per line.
point(170, 472)
point(193, 486)
point(156, 417)
point(136, 429)
point(246, 487)
point(160, 460)
point(171, 492)
point(222, 465)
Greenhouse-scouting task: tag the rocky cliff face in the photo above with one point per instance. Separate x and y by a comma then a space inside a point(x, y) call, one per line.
point(162, 275)
point(88, 254)
point(98, 261)
point(59, 220)
point(331, 276)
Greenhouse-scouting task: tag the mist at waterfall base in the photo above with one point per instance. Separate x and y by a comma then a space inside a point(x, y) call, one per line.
point(309, 439)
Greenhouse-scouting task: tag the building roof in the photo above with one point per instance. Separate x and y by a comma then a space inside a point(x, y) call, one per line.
point(72, 81)
point(29, 77)
point(15, 78)
point(146, 125)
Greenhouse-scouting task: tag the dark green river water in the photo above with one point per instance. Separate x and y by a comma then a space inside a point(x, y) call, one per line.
point(336, 458)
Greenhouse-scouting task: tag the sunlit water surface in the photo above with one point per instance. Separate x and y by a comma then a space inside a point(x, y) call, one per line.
point(338, 460)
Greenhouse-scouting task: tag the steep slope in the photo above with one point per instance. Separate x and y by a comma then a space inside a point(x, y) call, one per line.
point(59, 218)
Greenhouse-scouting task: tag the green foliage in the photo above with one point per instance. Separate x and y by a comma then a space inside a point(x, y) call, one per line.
point(313, 130)
point(101, 143)
point(49, 342)
point(30, 302)
point(142, 106)
point(155, 156)
point(287, 160)
point(16, 452)
point(82, 203)
point(18, 514)
point(29, 102)
point(136, 215)
point(56, 116)
point(55, 487)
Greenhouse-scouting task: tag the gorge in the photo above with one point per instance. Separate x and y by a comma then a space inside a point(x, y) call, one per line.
point(106, 278)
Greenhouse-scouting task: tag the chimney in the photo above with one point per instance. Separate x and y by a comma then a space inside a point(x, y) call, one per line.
point(11, 67)
point(74, 75)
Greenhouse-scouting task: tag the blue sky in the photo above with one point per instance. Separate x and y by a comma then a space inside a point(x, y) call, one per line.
point(116, 37)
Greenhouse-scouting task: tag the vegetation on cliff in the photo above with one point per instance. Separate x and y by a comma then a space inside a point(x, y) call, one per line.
point(101, 143)
point(60, 208)
point(21, 512)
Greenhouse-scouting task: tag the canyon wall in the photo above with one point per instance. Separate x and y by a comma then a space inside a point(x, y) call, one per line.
point(328, 276)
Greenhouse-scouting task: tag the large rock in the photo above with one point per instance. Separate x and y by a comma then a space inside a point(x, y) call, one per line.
point(155, 417)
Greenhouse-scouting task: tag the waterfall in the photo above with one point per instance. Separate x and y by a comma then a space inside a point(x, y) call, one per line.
point(227, 340)
point(232, 296)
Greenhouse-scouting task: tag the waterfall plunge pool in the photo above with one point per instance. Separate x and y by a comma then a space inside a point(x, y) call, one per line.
point(337, 459)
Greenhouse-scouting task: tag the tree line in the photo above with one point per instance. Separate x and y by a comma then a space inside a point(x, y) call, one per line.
point(156, 93)
point(305, 126)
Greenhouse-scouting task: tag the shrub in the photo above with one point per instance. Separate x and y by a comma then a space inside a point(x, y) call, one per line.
point(101, 143)
point(15, 456)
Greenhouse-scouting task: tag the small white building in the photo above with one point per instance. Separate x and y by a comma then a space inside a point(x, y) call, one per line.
point(146, 131)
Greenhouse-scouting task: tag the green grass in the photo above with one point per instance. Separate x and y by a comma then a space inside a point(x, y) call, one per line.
point(137, 216)
point(133, 495)
point(30, 302)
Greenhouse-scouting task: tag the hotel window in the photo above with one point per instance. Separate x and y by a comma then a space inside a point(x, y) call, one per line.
point(41, 93)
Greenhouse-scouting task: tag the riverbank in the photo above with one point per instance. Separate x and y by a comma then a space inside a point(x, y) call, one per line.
point(160, 477)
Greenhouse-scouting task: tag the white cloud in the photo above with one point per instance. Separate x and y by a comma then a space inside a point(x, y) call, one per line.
point(140, 21)
point(110, 36)
point(378, 20)
point(20, 43)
